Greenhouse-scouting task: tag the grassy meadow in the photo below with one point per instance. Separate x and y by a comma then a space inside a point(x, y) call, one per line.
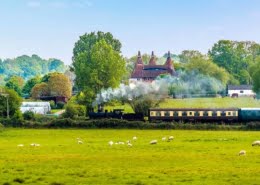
point(226, 102)
point(193, 157)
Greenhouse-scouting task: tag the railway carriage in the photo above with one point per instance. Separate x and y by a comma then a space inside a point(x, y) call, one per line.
point(192, 114)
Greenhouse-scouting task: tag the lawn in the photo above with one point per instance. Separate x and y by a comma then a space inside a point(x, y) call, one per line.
point(194, 157)
point(199, 103)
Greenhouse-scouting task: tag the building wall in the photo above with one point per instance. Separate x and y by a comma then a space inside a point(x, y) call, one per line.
point(241, 92)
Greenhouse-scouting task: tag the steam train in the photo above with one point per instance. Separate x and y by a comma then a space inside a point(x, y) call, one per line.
point(186, 115)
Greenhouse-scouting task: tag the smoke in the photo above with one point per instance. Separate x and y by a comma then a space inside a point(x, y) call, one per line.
point(185, 84)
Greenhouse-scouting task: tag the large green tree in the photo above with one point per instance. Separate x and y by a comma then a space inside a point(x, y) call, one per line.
point(30, 84)
point(235, 57)
point(16, 83)
point(10, 98)
point(97, 64)
point(255, 73)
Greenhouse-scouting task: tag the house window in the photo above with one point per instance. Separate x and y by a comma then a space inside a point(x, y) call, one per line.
point(241, 92)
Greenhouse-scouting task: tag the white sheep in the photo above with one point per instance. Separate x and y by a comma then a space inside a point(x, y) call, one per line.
point(80, 142)
point(121, 143)
point(164, 139)
point(35, 144)
point(110, 143)
point(128, 141)
point(256, 143)
point(242, 152)
point(153, 142)
point(170, 138)
point(20, 145)
point(134, 138)
point(116, 143)
point(129, 144)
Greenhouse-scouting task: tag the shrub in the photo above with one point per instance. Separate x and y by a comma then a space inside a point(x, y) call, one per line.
point(1, 127)
point(28, 115)
point(17, 118)
point(73, 110)
point(60, 105)
point(52, 104)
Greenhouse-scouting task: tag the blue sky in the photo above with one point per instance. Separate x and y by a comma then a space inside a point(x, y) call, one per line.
point(50, 28)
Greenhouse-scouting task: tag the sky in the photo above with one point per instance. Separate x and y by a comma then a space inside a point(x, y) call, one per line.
point(50, 28)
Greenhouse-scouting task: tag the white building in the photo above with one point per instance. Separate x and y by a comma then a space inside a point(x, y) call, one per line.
point(36, 107)
point(240, 91)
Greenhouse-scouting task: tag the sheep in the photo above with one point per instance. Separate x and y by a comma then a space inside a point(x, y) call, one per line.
point(128, 141)
point(80, 142)
point(153, 142)
point(164, 139)
point(134, 138)
point(20, 145)
point(116, 143)
point(242, 152)
point(35, 144)
point(129, 144)
point(121, 143)
point(170, 138)
point(256, 143)
point(110, 143)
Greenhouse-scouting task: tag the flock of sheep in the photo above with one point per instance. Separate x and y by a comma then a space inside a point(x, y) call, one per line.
point(255, 143)
point(129, 143)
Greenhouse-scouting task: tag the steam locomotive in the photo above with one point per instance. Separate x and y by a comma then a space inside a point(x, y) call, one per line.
point(186, 115)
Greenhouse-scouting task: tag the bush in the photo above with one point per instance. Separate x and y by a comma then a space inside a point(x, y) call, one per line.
point(52, 104)
point(60, 105)
point(1, 127)
point(73, 110)
point(17, 118)
point(28, 115)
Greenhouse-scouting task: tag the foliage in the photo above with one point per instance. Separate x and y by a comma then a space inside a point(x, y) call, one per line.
point(59, 85)
point(143, 103)
point(235, 57)
point(52, 104)
point(17, 118)
point(207, 67)
point(16, 83)
point(30, 84)
point(96, 56)
point(60, 105)
point(52, 84)
point(41, 89)
point(14, 102)
point(255, 74)
point(74, 110)
point(28, 115)
point(187, 55)
point(28, 67)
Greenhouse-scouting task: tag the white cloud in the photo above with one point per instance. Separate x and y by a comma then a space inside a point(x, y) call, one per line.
point(33, 4)
point(58, 4)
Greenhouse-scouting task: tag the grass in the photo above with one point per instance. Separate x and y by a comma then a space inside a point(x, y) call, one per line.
point(194, 157)
point(198, 103)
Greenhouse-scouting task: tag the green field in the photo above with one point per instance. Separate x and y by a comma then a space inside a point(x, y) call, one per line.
point(194, 157)
point(200, 103)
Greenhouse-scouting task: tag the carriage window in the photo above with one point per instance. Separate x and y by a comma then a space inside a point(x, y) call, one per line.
point(158, 113)
point(214, 113)
point(197, 113)
point(152, 113)
point(175, 114)
point(167, 113)
point(229, 113)
point(223, 113)
point(190, 113)
point(205, 113)
point(184, 114)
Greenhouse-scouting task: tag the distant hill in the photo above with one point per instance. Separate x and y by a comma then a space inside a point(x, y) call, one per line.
point(28, 67)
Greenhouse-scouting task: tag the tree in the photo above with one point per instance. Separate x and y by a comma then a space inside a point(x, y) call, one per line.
point(59, 85)
point(235, 57)
point(207, 67)
point(97, 64)
point(10, 98)
point(30, 84)
point(255, 73)
point(187, 55)
point(41, 89)
point(16, 83)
